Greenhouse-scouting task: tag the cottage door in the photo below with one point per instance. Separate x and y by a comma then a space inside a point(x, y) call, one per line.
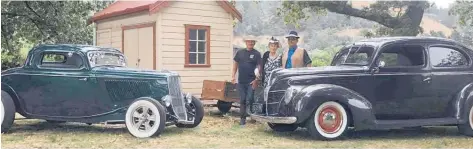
point(138, 47)
point(145, 52)
point(130, 47)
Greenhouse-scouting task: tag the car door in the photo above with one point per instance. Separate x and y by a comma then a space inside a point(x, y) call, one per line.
point(60, 85)
point(402, 85)
point(450, 74)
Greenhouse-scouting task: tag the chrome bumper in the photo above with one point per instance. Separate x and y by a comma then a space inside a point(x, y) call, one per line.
point(271, 119)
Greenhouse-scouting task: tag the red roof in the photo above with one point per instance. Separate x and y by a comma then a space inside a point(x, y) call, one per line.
point(153, 6)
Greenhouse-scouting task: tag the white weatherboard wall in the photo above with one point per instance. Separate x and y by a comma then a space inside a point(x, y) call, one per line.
point(171, 45)
point(170, 39)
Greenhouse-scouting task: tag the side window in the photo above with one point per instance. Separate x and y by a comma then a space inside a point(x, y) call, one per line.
point(61, 60)
point(446, 57)
point(403, 56)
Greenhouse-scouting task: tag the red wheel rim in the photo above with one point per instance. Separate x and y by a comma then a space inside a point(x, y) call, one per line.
point(330, 119)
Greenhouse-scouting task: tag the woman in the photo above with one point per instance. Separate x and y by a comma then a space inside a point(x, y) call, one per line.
point(271, 60)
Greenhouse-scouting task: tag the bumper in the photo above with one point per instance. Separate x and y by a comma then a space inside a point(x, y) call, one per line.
point(271, 119)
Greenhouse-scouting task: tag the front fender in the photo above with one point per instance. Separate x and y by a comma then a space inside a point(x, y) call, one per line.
point(309, 98)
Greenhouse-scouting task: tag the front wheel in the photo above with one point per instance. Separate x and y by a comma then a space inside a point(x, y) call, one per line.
point(145, 117)
point(328, 122)
point(282, 127)
point(195, 110)
point(467, 128)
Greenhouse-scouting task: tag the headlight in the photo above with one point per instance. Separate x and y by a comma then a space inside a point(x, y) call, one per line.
point(290, 93)
point(167, 100)
point(189, 98)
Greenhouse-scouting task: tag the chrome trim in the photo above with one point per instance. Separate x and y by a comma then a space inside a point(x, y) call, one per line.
point(178, 103)
point(276, 120)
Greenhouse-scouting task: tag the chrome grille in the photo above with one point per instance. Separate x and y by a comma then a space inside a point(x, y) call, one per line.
point(273, 102)
point(178, 105)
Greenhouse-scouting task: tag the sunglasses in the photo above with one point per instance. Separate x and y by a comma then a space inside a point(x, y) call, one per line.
point(292, 38)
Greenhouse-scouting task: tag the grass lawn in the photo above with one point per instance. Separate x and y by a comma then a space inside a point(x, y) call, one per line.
point(219, 132)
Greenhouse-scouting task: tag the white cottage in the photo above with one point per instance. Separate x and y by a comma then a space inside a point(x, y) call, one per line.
point(193, 38)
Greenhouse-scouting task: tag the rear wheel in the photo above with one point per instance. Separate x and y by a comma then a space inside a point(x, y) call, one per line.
point(282, 127)
point(467, 128)
point(196, 111)
point(224, 106)
point(328, 122)
point(145, 117)
point(7, 112)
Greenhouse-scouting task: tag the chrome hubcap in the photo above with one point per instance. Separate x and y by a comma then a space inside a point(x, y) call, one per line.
point(144, 118)
point(330, 120)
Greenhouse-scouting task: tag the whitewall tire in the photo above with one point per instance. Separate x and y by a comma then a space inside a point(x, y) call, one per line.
point(328, 122)
point(467, 128)
point(7, 112)
point(145, 117)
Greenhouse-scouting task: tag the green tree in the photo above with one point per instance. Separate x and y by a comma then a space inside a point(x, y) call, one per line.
point(464, 10)
point(400, 17)
point(43, 22)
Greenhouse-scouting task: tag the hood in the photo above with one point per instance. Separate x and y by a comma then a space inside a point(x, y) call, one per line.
point(319, 70)
point(126, 71)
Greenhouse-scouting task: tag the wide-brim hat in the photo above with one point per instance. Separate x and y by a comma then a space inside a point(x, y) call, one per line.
point(273, 40)
point(249, 38)
point(292, 34)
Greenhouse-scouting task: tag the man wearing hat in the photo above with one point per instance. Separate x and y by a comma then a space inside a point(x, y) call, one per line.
point(246, 61)
point(295, 57)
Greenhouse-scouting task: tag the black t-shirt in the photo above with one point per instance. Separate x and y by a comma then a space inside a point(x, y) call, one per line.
point(247, 61)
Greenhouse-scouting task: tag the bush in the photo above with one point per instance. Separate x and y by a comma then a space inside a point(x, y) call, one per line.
point(323, 57)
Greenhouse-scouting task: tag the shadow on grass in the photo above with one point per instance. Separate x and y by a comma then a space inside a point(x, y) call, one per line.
point(43, 126)
point(366, 135)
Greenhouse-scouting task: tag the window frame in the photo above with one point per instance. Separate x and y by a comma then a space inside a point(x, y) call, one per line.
point(40, 56)
point(188, 27)
point(388, 46)
point(452, 47)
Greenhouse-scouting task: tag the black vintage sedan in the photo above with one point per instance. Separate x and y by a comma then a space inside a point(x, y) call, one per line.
point(379, 83)
point(88, 84)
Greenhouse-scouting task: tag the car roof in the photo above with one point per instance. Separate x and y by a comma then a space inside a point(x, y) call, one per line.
point(74, 48)
point(384, 40)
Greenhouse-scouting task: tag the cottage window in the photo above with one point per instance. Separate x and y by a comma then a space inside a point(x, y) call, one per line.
point(197, 46)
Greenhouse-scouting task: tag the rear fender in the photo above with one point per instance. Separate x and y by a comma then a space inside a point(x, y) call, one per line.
point(7, 88)
point(309, 98)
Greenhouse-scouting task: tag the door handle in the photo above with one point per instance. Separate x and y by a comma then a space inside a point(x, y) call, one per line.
point(427, 79)
point(83, 79)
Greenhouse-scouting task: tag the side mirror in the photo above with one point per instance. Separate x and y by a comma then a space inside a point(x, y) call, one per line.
point(380, 64)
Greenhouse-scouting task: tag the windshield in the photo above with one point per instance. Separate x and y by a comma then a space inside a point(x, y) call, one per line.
point(100, 58)
point(354, 55)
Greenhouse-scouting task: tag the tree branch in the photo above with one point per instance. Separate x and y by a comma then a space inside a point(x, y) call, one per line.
point(383, 18)
point(31, 9)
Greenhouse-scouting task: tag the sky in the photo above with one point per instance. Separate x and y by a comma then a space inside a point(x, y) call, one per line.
point(442, 3)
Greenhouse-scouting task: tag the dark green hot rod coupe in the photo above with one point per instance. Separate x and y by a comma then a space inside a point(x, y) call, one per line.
point(89, 84)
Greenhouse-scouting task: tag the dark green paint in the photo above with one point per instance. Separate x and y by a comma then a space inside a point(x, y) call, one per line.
point(84, 95)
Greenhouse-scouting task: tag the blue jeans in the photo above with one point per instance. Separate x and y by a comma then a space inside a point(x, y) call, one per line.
point(246, 98)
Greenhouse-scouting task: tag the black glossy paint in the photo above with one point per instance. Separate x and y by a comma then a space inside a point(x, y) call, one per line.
point(380, 97)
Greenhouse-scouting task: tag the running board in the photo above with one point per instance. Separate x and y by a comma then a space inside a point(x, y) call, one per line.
point(395, 124)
